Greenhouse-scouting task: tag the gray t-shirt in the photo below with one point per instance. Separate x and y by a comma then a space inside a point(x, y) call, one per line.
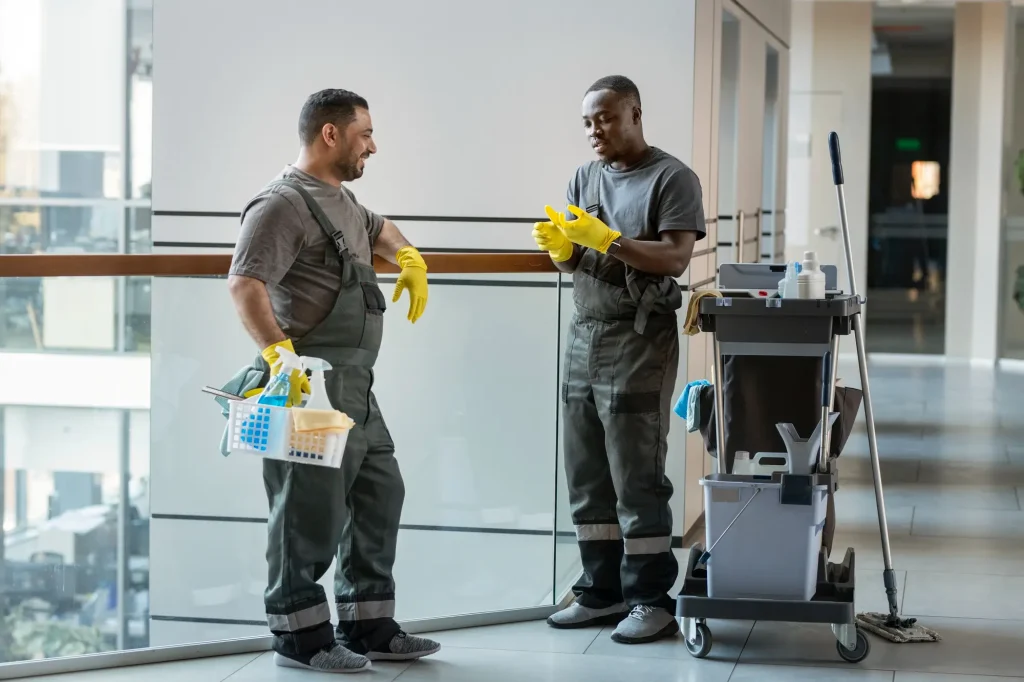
point(659, 194)
point(282, 245)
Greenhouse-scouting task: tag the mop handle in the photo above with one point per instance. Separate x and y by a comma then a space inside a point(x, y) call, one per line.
point(734, 520)
point(838, 179)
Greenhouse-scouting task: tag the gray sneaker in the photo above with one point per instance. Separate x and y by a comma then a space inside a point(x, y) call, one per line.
point(333, 658)
point(404, 647)
point(646, 624)
point(577, 615)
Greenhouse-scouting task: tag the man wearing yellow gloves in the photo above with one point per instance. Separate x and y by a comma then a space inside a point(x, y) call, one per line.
point(634, 216)
point(302, 277)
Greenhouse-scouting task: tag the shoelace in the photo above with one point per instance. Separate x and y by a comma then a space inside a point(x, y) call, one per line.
point(641, 612)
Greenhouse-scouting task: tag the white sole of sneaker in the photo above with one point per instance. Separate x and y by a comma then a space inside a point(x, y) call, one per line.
point(381, 656)
point(285, 662)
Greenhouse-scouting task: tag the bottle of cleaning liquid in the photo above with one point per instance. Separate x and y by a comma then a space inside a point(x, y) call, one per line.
point(318, 399)
point(811, 280)
point(276, 392)
point(788, 287)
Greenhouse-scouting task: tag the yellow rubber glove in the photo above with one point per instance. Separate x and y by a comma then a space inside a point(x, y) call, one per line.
point(550, 238)
point(589, 231)
point(413, 278)
point(299, 380)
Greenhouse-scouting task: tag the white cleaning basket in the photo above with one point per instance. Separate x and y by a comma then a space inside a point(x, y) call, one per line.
point(268, 431)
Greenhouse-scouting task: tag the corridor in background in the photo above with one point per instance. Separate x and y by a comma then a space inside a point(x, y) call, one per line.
point(912, 60)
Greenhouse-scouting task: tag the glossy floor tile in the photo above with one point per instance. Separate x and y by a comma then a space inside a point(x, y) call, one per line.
point(729, 638)
point(951, 445)
point(532, 636)
point(781, 673)
point(965, 595)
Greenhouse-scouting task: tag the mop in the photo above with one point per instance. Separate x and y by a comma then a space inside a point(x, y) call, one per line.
point(891, 626)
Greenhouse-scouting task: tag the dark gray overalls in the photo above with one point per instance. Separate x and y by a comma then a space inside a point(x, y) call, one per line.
point(317, 513)
point(620, 374)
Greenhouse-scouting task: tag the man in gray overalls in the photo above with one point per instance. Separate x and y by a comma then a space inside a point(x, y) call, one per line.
point(641, 216)
point(302, 277)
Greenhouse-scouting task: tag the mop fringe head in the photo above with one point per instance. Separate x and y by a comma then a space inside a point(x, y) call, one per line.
point(896, 629)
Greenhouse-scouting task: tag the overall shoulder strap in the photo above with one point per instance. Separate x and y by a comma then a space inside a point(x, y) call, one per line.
point(321, 218)
point(592, 190)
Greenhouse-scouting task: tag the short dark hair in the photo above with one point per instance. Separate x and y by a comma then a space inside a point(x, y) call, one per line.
point(620, 85)
point(328, 106)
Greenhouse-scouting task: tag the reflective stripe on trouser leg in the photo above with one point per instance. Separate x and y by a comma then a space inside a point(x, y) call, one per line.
point(635, 402)
point(299, 620)
point(641, 546)
point(592, 532)
point(591, 493)
point(364, 587)
point(365, 610)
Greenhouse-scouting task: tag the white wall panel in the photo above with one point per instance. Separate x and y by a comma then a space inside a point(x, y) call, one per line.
point(475, 105)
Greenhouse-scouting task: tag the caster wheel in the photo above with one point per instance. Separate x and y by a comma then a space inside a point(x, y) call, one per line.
point(701, 646)
point(858, 653)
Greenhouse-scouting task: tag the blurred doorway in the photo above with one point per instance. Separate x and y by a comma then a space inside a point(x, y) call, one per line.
point(909, 192)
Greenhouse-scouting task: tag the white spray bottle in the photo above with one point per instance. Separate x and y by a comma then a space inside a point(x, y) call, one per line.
point(318, 399)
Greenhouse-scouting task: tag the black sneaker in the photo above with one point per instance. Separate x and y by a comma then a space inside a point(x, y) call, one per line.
point(333, 658)
point(404, 647)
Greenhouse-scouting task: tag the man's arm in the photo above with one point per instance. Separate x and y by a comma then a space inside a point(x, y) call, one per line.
point(269, 242)
point(389, 242)
point(253, 305)
point(670, 256)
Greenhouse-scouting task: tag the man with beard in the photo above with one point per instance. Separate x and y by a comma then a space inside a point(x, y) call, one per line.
point(302, 278)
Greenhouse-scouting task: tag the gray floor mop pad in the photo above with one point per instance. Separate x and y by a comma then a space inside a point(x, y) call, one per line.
point(899, 630)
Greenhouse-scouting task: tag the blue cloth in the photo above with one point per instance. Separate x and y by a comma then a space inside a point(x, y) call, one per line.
point(684, 400)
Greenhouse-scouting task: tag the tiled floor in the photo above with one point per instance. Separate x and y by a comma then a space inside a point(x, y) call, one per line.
point(952, 441)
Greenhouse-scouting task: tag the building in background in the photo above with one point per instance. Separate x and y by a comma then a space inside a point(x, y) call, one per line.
point(75, 168)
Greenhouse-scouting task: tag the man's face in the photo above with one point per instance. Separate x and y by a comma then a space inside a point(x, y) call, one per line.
point(611, 122)
point(351, 146)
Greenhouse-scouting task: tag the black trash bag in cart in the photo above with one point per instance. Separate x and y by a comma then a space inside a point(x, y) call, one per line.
point(762, 391)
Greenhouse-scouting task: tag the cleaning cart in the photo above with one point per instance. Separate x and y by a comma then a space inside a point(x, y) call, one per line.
point(765, 559)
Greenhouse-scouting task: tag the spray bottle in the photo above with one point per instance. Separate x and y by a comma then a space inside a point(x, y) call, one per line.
point(318, 399)
point(277, 391)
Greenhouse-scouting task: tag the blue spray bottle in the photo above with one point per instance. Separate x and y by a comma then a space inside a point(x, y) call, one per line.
point(277, 391)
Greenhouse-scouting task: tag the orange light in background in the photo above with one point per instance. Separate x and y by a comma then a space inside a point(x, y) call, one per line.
point(925, 178)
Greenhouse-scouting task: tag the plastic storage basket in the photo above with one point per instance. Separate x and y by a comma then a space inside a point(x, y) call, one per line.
point(267, 431)
point(771, 552)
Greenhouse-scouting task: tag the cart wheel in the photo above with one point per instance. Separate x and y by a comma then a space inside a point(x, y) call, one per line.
point(858, 653)
point(701, 646)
